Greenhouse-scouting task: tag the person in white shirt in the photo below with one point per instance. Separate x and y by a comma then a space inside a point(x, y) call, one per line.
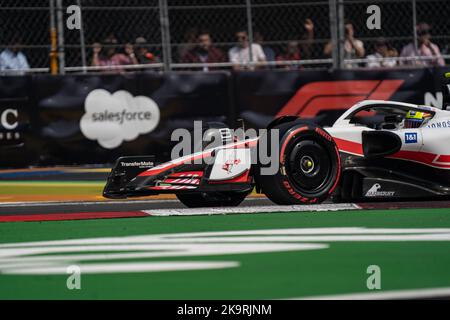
point(12, 60)
point(239, 55)
point(382, 50)
point(427, 50)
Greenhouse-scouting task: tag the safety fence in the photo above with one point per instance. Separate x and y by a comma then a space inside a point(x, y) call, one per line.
point(65, 35)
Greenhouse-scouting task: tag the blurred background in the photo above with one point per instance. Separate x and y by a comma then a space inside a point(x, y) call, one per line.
point(287, 30)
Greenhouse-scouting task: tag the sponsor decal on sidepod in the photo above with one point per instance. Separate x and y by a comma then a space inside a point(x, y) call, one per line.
point(374, 191)
point(410, 137)
point(440, 124)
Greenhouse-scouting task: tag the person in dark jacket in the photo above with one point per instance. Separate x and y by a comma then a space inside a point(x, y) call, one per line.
point(204, 52)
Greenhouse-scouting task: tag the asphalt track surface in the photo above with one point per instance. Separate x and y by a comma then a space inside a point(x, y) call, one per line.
point(103, 206)
point(30, 208)
point(100, 174)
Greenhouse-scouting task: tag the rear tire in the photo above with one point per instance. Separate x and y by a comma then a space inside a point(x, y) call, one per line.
point(213, 199)
point(309, 165)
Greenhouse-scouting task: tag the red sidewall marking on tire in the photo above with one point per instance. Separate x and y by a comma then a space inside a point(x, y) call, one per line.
point(338, 176)
point(286, 183)
point(297, 196)
point(288, 138)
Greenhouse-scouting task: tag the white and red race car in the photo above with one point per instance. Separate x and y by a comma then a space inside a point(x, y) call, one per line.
point(376, 150)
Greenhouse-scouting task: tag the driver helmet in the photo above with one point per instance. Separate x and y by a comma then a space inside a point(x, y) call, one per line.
point(414, 119)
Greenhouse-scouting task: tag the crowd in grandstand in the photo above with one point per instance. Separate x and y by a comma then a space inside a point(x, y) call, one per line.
point(200, 49)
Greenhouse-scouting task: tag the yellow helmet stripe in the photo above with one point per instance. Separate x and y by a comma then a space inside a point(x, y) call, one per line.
point(414, 115)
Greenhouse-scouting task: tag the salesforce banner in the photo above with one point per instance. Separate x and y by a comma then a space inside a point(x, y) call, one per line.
point(94, 118)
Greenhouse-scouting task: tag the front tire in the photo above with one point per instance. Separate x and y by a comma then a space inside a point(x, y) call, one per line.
point(309, 165)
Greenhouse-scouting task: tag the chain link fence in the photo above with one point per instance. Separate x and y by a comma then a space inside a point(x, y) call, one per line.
point(124, 20)
point(27, 23)
point(175, 34)
point(404, 26)
point(283, 30)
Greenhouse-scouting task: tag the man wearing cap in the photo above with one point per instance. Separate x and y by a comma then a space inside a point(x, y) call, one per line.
point(426, 49)
point(143, 55)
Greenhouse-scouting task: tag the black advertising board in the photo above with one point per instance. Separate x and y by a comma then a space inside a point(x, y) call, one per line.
point(95, 118)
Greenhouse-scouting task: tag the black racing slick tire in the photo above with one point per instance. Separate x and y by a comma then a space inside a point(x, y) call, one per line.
point(309, 165)
point(211, 199)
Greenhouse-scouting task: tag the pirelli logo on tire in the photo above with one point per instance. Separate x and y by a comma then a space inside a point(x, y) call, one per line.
point(296, 195)
point(324, 134)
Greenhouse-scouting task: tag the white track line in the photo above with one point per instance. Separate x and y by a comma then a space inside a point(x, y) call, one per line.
point(251, 209)
point(381, 295)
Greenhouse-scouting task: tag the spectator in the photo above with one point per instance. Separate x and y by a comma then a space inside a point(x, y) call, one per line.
point(268, 51)
point(382, 50)
point(308, 39)
point(446, 50)
point(426, 49)
point(239, 55)
point(204, 52)
point(392, 52)
point(111, 58)
point(189, 42)
point(143, 55)
point(353, 48)
point(13, 59)
point(292, 53)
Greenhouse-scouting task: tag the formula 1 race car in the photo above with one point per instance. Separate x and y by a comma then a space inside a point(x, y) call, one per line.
point(377, 150)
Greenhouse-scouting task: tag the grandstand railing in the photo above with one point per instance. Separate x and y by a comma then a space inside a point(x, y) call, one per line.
point(167, 25)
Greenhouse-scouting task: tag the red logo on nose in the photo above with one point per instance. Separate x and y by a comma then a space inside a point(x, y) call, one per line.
point(228, 165)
